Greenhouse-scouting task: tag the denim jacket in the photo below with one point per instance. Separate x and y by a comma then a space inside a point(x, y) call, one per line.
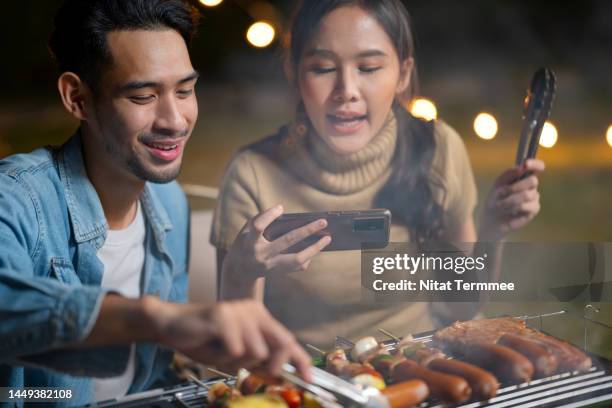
point(51, 227)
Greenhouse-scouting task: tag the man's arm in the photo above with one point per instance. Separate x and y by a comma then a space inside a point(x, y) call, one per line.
point(37, 313)
point(227, 334)
point(123, 321)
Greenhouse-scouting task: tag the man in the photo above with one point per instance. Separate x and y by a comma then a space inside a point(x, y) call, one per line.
point(94, 235)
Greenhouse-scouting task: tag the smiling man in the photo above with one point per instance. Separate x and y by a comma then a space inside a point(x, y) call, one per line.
point(94, 234)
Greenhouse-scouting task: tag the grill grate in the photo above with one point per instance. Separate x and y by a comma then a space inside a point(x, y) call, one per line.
point(566, 389)
point(578, 388)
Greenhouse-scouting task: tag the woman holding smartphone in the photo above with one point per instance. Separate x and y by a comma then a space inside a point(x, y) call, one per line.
point(353, 146)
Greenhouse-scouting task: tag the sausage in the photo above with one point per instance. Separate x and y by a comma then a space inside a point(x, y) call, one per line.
point(406, 394)
point(544, 362)
point(335, 361)
point(484, 385)
point(507, 364)
point(446, 387)
point(252, 385)
point(383, 363)
point(569, 357)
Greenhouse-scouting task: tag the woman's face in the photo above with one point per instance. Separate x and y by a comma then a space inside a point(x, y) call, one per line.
point(348, 77)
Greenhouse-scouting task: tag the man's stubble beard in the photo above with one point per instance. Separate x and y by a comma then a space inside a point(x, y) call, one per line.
point(138, 168)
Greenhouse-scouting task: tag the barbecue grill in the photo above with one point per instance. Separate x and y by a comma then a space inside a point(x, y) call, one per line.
point(571, 389)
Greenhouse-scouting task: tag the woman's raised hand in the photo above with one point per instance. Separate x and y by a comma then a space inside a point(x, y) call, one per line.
point(513, 201)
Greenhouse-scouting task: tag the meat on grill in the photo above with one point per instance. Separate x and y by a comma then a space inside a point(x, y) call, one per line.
point(458, 338)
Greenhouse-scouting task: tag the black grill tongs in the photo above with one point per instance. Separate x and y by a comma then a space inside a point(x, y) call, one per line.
point(537, 110)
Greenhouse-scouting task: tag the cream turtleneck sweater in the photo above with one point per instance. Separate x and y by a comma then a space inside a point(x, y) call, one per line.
point(303, 174)
point(311, 159)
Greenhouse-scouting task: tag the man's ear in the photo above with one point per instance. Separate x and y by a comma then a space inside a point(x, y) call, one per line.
point(406, 67)
point(74, 93)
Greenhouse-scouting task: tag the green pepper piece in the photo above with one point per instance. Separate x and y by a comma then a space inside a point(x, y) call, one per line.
point(409, 350)
point(318, 361)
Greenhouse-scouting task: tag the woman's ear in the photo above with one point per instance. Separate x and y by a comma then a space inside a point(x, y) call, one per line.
point(288, 69)
point(292, 79)
point(74, 93)
point(406, 67)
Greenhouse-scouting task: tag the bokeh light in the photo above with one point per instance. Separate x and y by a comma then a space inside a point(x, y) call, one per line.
point(549, 135)
point(423, 108)
point(260, 34)
point(485, 126)
point(609, 136)
point(210, 3)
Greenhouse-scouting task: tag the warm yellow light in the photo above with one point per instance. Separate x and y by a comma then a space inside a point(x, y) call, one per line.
point(549, 135)
point(260, 34)
point(609, 136)
point(423, 108)
point(485, 126)
point(211, 3)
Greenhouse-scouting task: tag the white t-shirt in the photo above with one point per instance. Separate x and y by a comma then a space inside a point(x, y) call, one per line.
point(123, 257)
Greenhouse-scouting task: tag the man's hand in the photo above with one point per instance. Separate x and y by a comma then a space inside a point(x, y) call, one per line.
point(228, 335)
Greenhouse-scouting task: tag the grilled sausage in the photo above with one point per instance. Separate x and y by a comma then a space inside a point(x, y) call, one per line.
point(446, 387)
point(507, 364)
point(251, 385)
point(484, 385)
point(383, 363)
point(569, 357)
point(544, 362)
point(406, 394)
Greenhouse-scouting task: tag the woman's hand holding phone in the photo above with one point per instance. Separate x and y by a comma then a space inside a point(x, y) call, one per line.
point(513, 201)
point(252, 256)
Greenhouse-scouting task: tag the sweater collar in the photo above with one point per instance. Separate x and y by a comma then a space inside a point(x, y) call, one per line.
point(313, 160)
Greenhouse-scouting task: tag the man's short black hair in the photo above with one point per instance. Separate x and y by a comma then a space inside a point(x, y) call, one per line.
point(79, 44)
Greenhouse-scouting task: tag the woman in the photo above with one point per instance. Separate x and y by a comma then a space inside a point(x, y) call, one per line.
point(352, 146)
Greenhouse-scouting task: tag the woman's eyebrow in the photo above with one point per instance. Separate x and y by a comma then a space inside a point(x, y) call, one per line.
point(372, 53)
point(321, 52)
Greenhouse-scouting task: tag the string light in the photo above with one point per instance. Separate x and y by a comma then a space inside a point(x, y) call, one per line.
point(210, 3)
point(260, 34)
point(549, 135)
point(423, 108)
point(485, 126)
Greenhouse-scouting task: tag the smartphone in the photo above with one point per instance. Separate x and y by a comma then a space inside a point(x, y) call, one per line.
point(349, 230)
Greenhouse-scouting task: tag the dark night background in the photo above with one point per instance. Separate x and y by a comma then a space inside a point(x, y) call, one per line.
point(472, 56)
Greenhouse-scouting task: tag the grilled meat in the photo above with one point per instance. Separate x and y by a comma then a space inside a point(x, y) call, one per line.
point(461, 336)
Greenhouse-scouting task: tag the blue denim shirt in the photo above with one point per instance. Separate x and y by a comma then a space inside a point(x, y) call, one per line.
point(51, 227)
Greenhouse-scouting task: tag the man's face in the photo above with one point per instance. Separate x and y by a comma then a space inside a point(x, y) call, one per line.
point(145, 107)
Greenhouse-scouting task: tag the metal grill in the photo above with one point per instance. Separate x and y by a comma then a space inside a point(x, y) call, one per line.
point(566, 389)
point(573, 389)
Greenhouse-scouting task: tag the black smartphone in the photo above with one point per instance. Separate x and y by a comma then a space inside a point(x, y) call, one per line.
point(349, 230)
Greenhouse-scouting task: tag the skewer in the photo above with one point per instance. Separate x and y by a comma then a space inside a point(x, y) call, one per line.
point(345, 341)
point(390, 335)
point(221, 373)
point(198, 382)
point(314, 348)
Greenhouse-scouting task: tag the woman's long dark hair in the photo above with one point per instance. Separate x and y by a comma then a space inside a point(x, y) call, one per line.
point(408, 192)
